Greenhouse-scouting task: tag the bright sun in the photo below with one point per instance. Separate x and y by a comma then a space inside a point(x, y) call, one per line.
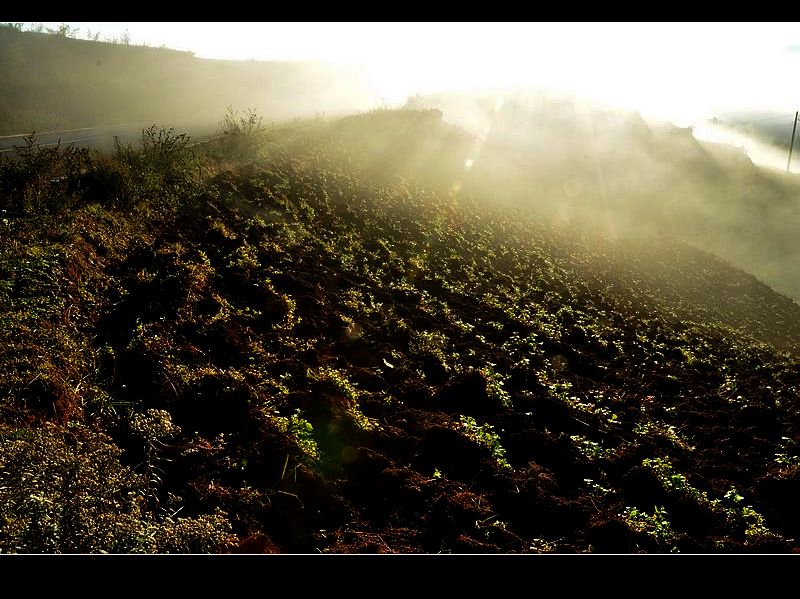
point(683, 72)
point(677, 71)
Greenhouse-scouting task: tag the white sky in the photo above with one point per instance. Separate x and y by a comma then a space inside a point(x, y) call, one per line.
point(682, 72)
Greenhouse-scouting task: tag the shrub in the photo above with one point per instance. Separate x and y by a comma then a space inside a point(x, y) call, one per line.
point(38, 180)
point(163, 165)
point(241, 133)
point(110, 182)
point(67, 492)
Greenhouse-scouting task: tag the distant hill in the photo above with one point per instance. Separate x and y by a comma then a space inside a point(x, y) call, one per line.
point(56, 82)
point(774, 129)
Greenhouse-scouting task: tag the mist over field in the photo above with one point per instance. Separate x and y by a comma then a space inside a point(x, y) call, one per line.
point(576, 163)
point(398, 288)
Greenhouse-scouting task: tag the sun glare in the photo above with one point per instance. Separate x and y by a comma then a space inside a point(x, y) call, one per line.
point(682, 72)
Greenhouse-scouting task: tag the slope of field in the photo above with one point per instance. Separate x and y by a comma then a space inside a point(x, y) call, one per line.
point(319, 350)
point(576, 163)
point(55, 82)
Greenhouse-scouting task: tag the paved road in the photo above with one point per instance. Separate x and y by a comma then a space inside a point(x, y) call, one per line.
point(102, 138)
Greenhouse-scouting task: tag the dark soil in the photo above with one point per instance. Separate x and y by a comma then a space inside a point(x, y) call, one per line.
point(357, 366)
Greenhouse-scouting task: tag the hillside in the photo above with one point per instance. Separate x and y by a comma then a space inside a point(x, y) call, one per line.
point(327, 345)
point(573, 162)
point(56, 82)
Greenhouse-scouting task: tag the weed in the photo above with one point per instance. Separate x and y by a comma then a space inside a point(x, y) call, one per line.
point(731, 506)
point(242, 134)
point(301, 429)
point(786, 458)
point(588, 448)
point(652, 427)
point(484, 435)
point(656, 525)
point(494, 385)
point(338, 383)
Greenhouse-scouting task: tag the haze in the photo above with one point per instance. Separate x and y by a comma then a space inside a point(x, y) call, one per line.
point(562, 153)
point(398, 288)
point(681, 72)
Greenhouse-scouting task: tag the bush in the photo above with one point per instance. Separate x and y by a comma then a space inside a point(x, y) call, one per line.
point(241, 134)
point(110, 182)
point(162, 167)
point(67, 492)
point(38, 180)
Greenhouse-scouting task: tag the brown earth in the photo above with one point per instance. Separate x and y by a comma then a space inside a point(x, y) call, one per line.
point(381, 368)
